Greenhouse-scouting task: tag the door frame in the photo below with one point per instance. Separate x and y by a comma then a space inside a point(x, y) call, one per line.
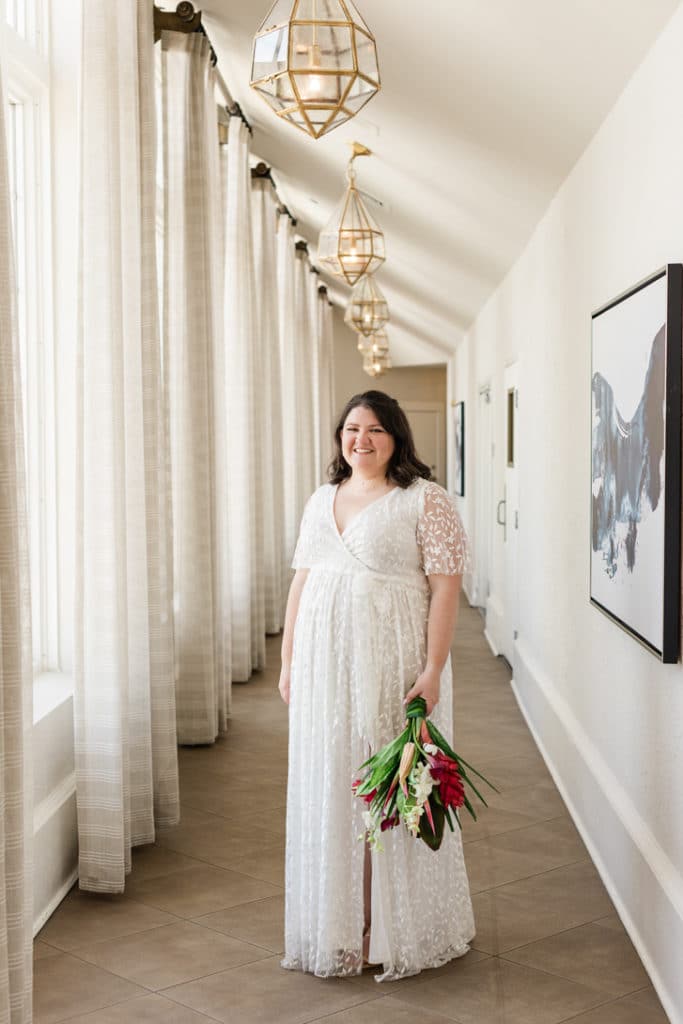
point(439, 409)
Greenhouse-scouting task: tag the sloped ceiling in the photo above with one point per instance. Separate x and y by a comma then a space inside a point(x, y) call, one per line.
point(485, 106)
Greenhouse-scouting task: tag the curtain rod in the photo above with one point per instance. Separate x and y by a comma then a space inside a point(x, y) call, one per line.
point(186, 19)
point(264, 172)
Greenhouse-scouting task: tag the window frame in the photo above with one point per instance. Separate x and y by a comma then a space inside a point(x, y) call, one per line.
point(27, 85)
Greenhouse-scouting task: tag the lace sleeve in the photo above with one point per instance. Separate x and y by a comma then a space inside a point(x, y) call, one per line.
point(441, 536)
point(304, 551)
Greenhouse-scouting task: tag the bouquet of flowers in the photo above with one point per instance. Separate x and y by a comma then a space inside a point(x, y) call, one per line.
point(416, 779)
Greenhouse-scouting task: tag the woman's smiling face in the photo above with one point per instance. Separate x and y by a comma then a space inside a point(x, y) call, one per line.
point(366, 445)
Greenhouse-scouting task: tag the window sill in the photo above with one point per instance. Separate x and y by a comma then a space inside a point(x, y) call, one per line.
point(50, 689)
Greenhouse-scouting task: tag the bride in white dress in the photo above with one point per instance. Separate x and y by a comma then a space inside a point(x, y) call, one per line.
point(369, 624)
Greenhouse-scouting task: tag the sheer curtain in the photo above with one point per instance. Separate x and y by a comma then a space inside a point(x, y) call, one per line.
point(195, 367)
point(293, 494)
point(242, 404)
point(266, 337)
point(305, 359)
point(126, 761)
point(326, 402)
point(16, 675)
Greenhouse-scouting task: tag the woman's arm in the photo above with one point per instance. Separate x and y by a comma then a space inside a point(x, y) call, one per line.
point(296, 586)
point(443, 614)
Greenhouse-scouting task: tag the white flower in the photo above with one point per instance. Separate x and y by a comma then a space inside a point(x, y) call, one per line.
point(430, 748)
point(372, 833)
point(422, 782)
point(411, 817)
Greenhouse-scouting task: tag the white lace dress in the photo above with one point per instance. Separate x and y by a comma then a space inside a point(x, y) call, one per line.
point(359, 645)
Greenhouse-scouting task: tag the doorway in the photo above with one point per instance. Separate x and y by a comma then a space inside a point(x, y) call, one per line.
point(428, 424)
point(511, 528)
point(483, 533)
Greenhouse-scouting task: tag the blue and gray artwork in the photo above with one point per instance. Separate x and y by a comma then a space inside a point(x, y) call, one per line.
point(627, 459)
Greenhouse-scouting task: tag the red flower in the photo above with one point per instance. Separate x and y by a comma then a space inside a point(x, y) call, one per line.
point(368, 797)
point(390, 822)
point(446, 773)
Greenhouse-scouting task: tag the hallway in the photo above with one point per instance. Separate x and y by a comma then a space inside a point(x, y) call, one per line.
point(198, 934)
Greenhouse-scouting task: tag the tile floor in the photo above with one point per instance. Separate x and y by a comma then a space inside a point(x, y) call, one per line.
point(198, 934)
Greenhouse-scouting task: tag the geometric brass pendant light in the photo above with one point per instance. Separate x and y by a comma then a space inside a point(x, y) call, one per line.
point(367, 311)
point(314, 62)
point(375, 344)
point(376, 366)
point(352, 242)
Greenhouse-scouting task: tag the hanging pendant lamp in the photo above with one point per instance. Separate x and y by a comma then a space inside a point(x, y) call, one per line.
point(376, 366)
point(352, 242)
point(375, 344)
point(367, 311)
point(314, 62)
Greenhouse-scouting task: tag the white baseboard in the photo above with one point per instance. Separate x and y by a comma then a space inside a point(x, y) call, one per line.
point(643, 883)
point(56, 899)
point(494, 621)
point(490, 641)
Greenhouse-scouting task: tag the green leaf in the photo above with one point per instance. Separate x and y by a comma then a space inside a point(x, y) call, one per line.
point(432, 839)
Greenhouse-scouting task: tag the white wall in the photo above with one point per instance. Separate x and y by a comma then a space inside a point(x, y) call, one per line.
point(607, 714)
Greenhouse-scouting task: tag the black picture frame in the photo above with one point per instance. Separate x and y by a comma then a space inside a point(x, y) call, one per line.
point(459, 447)
point(635, 544)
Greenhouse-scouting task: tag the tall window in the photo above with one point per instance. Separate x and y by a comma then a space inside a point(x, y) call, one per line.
point(26, 19)
point(27, 118)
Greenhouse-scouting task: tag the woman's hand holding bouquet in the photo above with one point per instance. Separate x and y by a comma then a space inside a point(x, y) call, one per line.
point(416, 779)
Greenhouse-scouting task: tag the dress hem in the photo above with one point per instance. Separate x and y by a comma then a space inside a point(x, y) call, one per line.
point(292, 963)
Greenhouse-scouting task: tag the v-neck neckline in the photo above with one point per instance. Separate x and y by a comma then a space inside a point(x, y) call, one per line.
point(341, 533)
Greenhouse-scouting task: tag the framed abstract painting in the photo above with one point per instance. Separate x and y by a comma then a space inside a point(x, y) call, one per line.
point(636, 461)
point(459, 447)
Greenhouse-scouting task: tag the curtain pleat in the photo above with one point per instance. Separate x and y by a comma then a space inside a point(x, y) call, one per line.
point(293, 491)
point(326, 410)
point(16, 675)
point(305, 362)
point(194, 364)
point(244, 409)
point(266, 337)
point(126, 762)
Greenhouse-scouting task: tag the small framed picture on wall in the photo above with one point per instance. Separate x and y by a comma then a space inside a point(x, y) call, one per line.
point(459, 447)
point(636, 461)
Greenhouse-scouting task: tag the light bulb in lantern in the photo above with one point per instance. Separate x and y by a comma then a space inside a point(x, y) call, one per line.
point(313, 86)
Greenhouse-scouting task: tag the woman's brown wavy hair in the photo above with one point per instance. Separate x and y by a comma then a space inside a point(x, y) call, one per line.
point(404, 465)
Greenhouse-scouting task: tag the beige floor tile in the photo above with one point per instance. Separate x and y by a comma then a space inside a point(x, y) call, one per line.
point(452, 968)
point(533, 908)
point(496, 992)
point(519, 770)
point(523, 852)
point(491, 821)
point(41, 950)
point(155, 861)
point(222, 842)
point(151, 1009)
point(612, 921)
point(264, 993)
point(385, 1010)
point(602, 958)
point(260, 922)
point(632, 1009)
point(64, 987)
point(268, 865)
point(200, 890)
point(85, 917)
point(189, 816)
point(171, 955)
point(539, 801)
